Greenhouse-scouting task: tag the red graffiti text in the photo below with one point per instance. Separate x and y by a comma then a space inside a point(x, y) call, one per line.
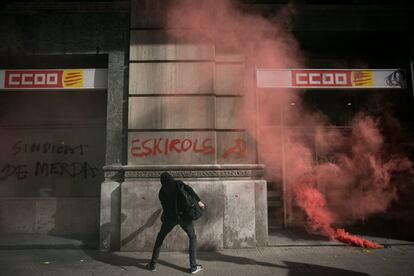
point(155, 146)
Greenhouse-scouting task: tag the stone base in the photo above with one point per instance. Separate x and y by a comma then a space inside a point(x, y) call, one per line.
point(60, 216)
point(235, 216)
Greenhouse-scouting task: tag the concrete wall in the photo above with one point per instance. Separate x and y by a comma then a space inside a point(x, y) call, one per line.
point(70, 29)
point(52, 35)
point(203, 78)
point(177, 86)
point(184, 101)
point(53, 216)
point(235, 216)
point(142, 211)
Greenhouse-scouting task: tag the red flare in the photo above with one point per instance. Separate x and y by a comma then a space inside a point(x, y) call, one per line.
point(343, 236)
point(312, 201)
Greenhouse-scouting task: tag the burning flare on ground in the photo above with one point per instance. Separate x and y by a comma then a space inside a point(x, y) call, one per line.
point(319, 218)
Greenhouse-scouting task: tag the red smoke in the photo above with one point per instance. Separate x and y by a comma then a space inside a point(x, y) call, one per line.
point(360, 180)
point(320, 218)
point(355, 181)
point(313, 203)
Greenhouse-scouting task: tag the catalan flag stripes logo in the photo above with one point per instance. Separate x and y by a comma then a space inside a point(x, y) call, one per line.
point(73, 78)
point(362, 78)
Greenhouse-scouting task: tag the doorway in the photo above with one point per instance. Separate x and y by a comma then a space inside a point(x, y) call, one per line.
point(53, 151)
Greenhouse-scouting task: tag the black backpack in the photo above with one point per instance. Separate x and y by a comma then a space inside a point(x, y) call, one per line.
point(187, 205)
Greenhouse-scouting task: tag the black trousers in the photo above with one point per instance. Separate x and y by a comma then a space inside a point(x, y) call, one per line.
point(166, 227)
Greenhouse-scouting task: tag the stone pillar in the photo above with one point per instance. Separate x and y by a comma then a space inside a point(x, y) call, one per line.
point(116, 134)
point(110, 219)
point(184, 100)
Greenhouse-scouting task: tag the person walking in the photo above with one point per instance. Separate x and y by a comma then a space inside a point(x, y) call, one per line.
point(171, 216)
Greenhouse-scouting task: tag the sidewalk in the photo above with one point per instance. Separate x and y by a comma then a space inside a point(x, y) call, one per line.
point(293, 259)
point(283, 237)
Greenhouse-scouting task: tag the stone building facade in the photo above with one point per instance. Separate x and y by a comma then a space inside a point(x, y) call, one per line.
point(181, 118)
point(168, 106)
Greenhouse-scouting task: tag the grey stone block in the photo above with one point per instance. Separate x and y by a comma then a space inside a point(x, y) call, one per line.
point(116, 109)
point(210, 227)
point(171, 78)
point(157, 45)
point(235, 216)
point(84, 216)
point(45, 212)
point(110, 219)
point(75, 216)
point(229, 111)
point(260, 193)
point(171, 112)
point(62, 217)
point(23, 209)
point(239, 214)
point(142, 210)
point(229, 78)
point(57, 216)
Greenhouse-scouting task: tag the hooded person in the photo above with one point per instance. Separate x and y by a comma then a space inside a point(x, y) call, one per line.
point(170, 218)
point(168, 197)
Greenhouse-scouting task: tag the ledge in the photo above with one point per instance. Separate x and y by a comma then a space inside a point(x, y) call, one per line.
point(196, 172)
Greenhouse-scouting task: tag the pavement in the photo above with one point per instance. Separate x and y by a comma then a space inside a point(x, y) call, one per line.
point(294, 255)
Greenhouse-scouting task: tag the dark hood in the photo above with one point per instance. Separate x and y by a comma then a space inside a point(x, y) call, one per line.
point(169, 184)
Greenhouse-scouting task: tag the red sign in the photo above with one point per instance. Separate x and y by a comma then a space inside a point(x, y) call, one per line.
point(33, 79)
point(321, 78)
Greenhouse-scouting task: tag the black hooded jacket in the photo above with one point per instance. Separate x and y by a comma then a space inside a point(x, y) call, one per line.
point(168, 195)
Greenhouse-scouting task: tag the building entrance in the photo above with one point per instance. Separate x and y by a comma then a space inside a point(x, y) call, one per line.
point(53, 151)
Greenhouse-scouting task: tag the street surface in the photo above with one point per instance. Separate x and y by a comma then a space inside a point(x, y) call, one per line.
point(284, 260)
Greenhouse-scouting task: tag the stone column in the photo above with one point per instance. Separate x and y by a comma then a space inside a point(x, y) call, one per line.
point(110, 219)
point(116, 134)
point(183, 104)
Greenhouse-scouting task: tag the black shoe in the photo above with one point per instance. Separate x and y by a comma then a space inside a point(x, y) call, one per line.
point(151, 267)
point(196, 269)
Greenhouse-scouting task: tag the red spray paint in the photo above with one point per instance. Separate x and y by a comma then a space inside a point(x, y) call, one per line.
point(357, 176)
